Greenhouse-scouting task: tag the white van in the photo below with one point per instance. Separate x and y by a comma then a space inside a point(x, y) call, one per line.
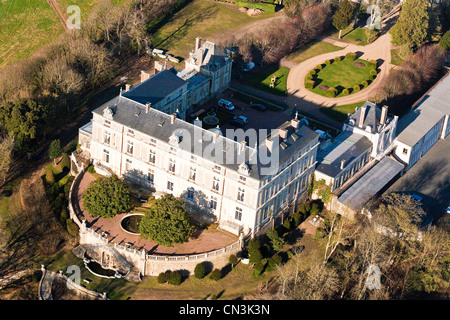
point(225, 104)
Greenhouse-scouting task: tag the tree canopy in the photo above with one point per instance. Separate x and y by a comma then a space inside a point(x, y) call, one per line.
point(343, 15)
point(167, 222)
point(55, 150)
point(412, 26)
point(106, 197)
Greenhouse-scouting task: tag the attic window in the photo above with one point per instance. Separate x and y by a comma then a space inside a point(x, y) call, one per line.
point(283, 145)
point(161, 123)
point(294, 137)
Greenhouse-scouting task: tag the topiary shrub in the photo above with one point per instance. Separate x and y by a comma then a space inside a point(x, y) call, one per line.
point(216, 274)
point(373, 72)
point(312, 72)
point(327, 62)
point(72, 227)
point(337, 59)
point(309, 84)
point(308, 77)
point(200, 271)
point(350, 56)
point(372, 64)
point(364, 84)
point(318, 67)
point(162, 278)
point(167, 275)
point(273, 262)
point(175, 278)
point(331, 92)
point(259, 268)
point(233, 260)
point(91, 169)
point(345, 92)
point(356, 88)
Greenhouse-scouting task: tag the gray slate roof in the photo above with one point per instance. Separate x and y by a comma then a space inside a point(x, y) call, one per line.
point(431, 108)
point(158, 124)
point(370, 183)
point(347, 146)
point(156, 88)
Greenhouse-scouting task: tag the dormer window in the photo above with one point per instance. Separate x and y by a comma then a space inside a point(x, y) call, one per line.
point(244, 169)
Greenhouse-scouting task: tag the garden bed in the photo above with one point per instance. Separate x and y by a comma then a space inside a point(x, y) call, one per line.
point(341, 76)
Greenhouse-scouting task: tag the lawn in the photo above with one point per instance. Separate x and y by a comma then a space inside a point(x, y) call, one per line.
point(260, 78)
point(85, 5)
point(199, 19)
point(340, 113)
point(25, 26)
point(356, 36)
point(311, 50)
point(341, 75)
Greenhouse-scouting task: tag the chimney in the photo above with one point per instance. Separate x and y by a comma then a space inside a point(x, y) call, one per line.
point(127, 87)
point(362, 115)
point(172, 117)
point(198, 43)
point(144, 75)
point(198, 122)
point(342, 164)
point(294, 123)
point(384, 111)
point(147, 107)
point(282, 133)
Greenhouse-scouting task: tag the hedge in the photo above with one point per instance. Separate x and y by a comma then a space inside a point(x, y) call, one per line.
point(309, 77)
point(350, 55)
point(161, 277)
point(309, 84)
point(373, 72)
point(364, 84)
point(175, 278)
point(312, 72)
point(372, 63)
point(268, 7)
point(331, 92)
point(356, 88)
point(345, 92)
point(337, 59)
point(327, 62)
point(318, 67)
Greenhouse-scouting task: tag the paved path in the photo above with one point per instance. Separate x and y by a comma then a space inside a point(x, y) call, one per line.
point(379, 50)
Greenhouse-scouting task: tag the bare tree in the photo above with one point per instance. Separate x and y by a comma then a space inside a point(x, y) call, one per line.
point(6, 148)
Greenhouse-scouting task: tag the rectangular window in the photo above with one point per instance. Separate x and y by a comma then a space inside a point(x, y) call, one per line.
point(128, 165)
point(190, 194)
point(172, 165)
point(153, 141)
point(130, 147)
point(150, 177)
point(405, 151)
point(107, 123)
point(242, 179)
point(170, 185)
point(241, 194)
point(131, 132)
point(217, 168)
point(213, 203)
point(192, 174)
point(106, 156)
point(152, 157)
point(238, 214)
point(215, 185)
point(107, 137)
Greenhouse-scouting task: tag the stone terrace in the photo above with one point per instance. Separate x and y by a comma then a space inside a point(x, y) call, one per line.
point(206, 241)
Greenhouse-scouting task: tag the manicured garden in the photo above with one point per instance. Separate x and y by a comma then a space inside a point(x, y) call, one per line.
point(341, 76)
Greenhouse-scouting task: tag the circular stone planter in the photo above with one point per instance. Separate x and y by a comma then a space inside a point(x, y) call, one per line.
point(130, 223)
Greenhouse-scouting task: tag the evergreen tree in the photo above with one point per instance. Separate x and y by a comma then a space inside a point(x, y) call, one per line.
point(55, 150)
point(343, 16)
point(411, 28)
point(167, 222)
point(106, 197)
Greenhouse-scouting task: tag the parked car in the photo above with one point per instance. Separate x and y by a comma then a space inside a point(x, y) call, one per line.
point(249, 66)
point(226, 104)
point(241, 118)
point(237, 122)
point(258, 106)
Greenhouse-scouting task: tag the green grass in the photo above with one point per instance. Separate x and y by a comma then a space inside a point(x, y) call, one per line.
point(199, 19)
point(395, 58)
point(351, 35)
point(261, 79)
point(311, 50)
point(25, 26)
point(341, 75)
point(340, 113)
point(85, 5)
